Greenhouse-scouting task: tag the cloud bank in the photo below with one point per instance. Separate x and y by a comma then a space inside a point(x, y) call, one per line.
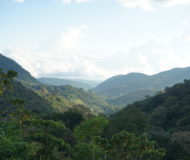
point(19, 1)
point(147, 5)
point(151, 5)
point(66, 56)
point(74, 1)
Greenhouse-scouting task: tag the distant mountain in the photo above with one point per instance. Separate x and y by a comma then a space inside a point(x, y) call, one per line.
point(23, 76)
point(91, 83)
point(125, 84)
point(121, 84)
point(55, 98)
point(122, 87)
point(63, 82)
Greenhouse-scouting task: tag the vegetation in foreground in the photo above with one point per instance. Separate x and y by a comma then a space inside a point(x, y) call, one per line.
point(156, 128)
point(26, 135)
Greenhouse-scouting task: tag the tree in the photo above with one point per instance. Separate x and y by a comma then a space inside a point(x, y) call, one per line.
point(47, 134)
point(5, 78)
point(12, 145)
point(85, 134)
point(18, 113)
point(131, 119)
point(70, 118)
point(127, 146)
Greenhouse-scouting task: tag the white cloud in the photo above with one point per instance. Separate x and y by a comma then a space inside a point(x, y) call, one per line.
point(82, 1)
point(151, 5)
point(62, 1)
point(60, 56)
point(67, 55)
point(143, 4)
point(73, 1)
point(70, 40)
point(177, 2)
point(147, 5)
point(19, 1)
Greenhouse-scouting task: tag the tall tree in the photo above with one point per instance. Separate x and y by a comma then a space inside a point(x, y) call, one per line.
point(85, 135)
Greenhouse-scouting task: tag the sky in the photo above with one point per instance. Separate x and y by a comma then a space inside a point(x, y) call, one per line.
point(95, 39)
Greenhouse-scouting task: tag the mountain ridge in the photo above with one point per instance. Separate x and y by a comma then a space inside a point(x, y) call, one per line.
point(60, 98)
point(120, 89)
point(157, 81)
point(63, 82)
point(23, 75)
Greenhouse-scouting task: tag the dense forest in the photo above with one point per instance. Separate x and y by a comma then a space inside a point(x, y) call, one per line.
point(41, 122)
point(26, 135)
point(165, 118)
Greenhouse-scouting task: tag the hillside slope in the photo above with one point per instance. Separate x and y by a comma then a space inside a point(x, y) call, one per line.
point(169, 110)
point(164, 117)
point(32, 100)
point(120, 90)
point(61, 98)
point(64, 97)
point(23, 76)
point(124, 84)
point(132, 97)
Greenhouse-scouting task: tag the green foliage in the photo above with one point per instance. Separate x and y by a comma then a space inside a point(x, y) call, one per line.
point(18, 112)
point(85, 135)
point(64, 97)
point(48, 134)
point(126, 89)
point(88, 151)
point(126, 146)
point(90, 128)
point(5, 78)
point(12, 146)
point(131, 97)
point(33, 101)
point(70, 118)
point(49, 98)
point(131, 119)
point(79, 135)
point(167, 120)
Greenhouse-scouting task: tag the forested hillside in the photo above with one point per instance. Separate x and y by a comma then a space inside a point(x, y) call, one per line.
point(131, 97)
point(64, 97)
point(165, 117)
point(32, 100)
point(58, 98)
point(94, 79)
point(65, 136)
point(23, 76)
point(124, 84)
point(121, 86)
point(156, 128)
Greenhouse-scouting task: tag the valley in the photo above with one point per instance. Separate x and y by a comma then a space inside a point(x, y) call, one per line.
point(80, 123)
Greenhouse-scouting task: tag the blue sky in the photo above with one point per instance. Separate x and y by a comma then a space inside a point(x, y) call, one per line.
point(95, 39)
